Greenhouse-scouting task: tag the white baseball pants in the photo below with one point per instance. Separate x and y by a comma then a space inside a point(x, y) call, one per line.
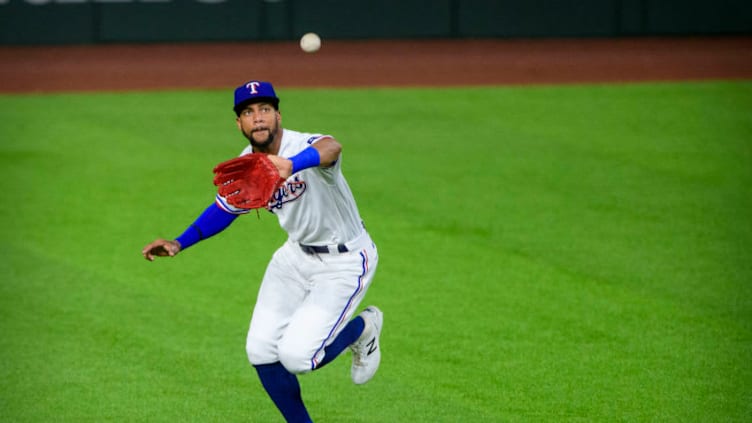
point(305, 300)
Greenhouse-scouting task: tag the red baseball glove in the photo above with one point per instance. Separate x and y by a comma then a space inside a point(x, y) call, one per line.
point(248, 181)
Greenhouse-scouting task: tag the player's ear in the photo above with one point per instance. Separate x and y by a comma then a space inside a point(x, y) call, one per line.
point(237, 122)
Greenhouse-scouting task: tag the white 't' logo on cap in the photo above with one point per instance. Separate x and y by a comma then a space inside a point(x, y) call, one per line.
point(252, 86)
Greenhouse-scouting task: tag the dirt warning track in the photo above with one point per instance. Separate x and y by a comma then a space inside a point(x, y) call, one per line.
point(25, 69)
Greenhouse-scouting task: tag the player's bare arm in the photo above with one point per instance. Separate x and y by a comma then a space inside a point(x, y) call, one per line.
point(329, 150)
point(160, 248)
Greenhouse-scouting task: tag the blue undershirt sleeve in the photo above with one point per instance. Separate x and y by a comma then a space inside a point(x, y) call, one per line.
point(211, 222)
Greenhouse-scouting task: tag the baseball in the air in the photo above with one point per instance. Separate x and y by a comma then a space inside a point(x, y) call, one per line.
point(310, 42)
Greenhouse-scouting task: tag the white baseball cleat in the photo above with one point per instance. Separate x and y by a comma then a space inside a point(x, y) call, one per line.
point(366, 350)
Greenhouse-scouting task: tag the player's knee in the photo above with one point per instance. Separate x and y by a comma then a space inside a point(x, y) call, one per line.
point(294, 360)
point(295, 363)
point(259, 352)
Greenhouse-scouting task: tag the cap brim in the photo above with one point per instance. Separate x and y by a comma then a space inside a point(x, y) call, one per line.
point(242, 105)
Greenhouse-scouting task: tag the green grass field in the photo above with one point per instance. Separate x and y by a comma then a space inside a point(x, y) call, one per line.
point(577, 253)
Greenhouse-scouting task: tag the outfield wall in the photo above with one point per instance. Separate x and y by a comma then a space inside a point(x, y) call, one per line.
point(113, 21)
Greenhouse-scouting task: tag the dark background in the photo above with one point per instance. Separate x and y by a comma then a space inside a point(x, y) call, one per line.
point(143, 21)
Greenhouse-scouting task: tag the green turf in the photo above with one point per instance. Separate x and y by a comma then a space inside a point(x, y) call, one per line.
point(579, 253)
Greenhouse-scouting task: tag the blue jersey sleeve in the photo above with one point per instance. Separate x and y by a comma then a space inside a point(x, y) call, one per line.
point(211, 222)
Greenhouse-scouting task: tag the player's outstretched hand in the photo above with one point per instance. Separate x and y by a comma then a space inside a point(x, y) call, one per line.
point(283, 165)
point(161, 248)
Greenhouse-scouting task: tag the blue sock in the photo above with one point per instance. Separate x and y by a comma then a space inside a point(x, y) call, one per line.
point(349, 334)
point(284, 389)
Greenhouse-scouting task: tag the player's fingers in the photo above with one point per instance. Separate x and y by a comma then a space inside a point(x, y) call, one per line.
point(147, 255)
point(159, 248)
point(147, 250)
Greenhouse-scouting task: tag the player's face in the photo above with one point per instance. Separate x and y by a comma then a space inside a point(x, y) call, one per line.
point(259, 122)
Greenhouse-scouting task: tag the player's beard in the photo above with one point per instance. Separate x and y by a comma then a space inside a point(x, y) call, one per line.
point(265, 143)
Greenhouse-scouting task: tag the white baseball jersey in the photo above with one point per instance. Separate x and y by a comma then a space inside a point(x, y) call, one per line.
point(306, 299)
point(315, 206)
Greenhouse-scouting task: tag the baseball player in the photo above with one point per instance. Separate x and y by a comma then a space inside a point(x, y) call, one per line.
point(303, 317)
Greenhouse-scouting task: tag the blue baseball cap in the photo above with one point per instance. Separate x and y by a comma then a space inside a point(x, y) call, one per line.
point(254, 92)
